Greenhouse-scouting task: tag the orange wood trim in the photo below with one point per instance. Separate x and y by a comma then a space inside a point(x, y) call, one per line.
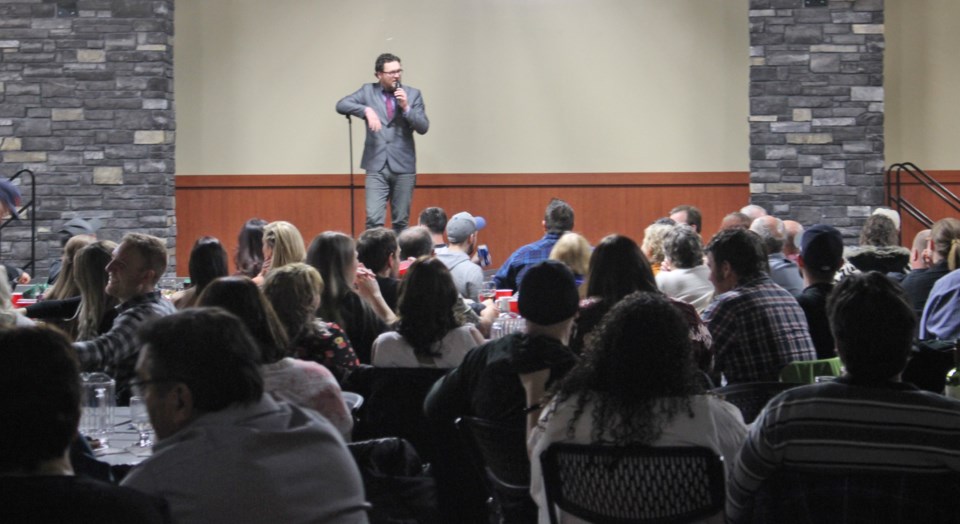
point(718, 178)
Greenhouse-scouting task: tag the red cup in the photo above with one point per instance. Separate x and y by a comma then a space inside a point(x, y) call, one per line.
point(15, 298)
point(504, 293)
point(514, 306)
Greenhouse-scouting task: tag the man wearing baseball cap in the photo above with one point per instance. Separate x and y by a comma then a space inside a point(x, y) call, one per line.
point(821, 255)
point(462, 231)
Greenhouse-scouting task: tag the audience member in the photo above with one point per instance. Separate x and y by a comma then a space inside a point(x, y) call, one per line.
point(378, 251)
point(919, 252)
point(97, 309)
point(9, 200)
point(227, 453)
point(71, 228)
point(428, 333)
point(307, 384)
point(689, 278)
point(557, 220)
point(736, 220)
point(879, 249)
point(40, 401)
point(652, 245)
point(636, 384)
point(282, 245)
point(941, 315)
point(574, 251)
point(134, 270)
point(618, 268)
point(865, 422)
point(462, 237)
point(435, 220)
point(753, 211)
point(248, 259)
point(9, 317)
point(687, 214)
point(208, 261)
point(295, 293)
point(350, 294)
point(67, 287)
point(60, 301)
point(889, 213)
point(784, 272)
point(821, 255)
point(486, 384)
point(791, 241)
point(757, 326)
point(917, 284)
point(415, 242)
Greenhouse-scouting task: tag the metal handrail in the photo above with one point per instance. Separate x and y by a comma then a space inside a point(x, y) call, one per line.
point(896, 200)
point(30, 205)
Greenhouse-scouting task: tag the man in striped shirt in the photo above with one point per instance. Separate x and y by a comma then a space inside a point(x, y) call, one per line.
point(867, 425)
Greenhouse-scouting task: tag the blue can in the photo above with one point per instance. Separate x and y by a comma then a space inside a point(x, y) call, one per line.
point(483, 252)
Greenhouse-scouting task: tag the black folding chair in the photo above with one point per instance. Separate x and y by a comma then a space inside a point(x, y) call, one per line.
point(607, 484)
point(500, 457)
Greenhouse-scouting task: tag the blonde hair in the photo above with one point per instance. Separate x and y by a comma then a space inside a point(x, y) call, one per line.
point(91, 276)
point(65, 287)
point(152, 250)
point(574, 251)
point(652, 245)
point(286, 242)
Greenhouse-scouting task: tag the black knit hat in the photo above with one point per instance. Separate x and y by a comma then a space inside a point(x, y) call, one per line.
point(548, 293)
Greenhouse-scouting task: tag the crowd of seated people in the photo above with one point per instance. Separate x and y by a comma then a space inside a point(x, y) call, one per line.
point(623, 339)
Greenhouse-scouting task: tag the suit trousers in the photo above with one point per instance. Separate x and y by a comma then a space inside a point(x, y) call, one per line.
point(383, 185)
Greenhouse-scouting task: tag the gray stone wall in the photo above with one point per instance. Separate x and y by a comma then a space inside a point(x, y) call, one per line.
point(816, 110)
point(86, 103)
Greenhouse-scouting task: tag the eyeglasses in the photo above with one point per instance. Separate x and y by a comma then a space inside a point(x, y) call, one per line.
point(398, 72)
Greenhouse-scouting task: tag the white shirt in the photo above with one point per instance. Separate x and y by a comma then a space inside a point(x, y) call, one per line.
point(391, 350)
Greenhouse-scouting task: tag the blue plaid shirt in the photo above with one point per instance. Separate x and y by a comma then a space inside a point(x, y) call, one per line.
point(758, 328)
point(512, 271)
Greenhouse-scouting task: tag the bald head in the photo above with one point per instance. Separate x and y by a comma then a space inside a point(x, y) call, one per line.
point(753, 211)
point(793, 229)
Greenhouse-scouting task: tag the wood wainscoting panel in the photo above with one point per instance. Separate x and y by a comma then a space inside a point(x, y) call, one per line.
point(513, 204)
point(933, 207)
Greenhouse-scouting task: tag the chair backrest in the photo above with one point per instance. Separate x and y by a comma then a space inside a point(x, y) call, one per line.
point(393, 404)
point(620, 484)
point(806, 371)
point(794, 495)
point(502, 449)
point(499, 454)
point(751, 397)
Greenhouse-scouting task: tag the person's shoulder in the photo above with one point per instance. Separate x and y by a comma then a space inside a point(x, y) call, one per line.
point(76, 499)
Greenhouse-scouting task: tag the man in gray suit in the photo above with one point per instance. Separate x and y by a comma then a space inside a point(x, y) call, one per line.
point(392, 112)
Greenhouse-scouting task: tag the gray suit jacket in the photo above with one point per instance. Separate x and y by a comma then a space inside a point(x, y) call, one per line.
point(393, 144)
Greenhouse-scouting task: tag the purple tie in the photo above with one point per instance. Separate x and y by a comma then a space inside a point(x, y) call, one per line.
point(389, 101)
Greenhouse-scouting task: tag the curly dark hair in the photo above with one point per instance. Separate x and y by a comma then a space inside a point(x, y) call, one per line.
point(426, 305)
point(638, 368)
point(879, 231)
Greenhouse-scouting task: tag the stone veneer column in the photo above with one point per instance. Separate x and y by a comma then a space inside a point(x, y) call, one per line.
point(816, 110)
point(86, 103)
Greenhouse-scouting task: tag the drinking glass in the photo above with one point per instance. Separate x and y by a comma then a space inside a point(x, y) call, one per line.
point(141, 421)
point(488, 290)
point(98, 404)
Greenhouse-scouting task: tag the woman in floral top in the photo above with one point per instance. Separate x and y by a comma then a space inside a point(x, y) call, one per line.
point(294, 291)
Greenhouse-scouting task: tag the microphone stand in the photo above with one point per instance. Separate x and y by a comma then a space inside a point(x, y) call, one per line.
point(353, 229)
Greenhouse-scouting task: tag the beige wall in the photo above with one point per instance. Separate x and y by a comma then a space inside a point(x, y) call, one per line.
point(511, 86)
point(922, 83)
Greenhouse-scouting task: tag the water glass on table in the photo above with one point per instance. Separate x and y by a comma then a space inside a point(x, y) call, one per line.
point(141, 421)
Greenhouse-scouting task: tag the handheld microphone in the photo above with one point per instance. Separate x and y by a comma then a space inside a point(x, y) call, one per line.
point(396, 85)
